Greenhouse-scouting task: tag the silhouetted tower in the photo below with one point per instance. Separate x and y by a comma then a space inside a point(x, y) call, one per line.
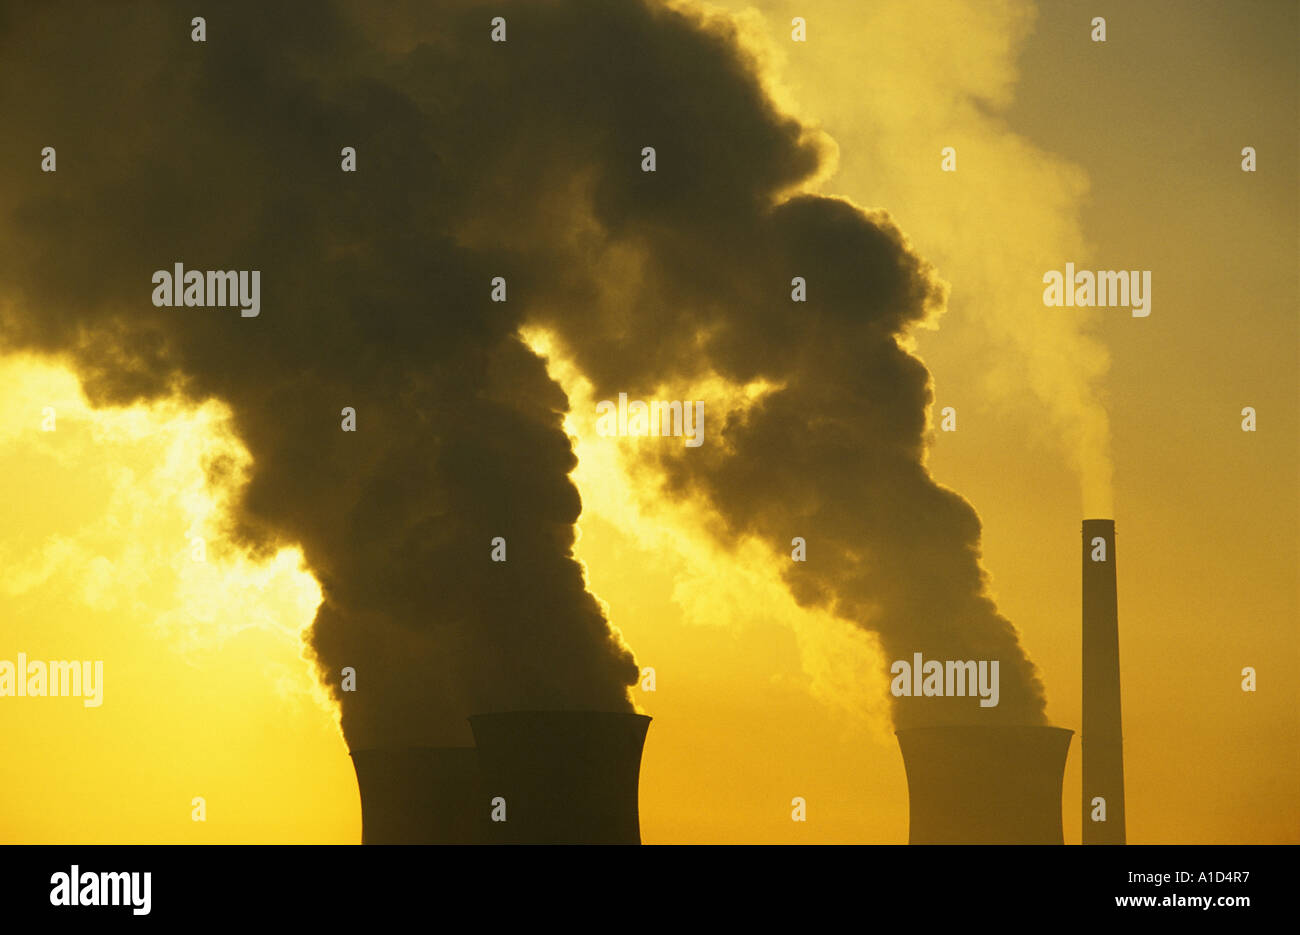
point(420, 795)
point(984, 784)
point(1103, 744)
point(566, 777)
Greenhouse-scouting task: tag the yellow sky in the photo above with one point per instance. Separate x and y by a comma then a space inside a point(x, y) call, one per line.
point(1128, 161)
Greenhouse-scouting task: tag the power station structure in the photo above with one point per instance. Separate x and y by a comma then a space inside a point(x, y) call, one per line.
point(1002, 784)
point(1103, 741)
point(561, 777)
point(533, 777)
point(420, 795)
point(572, 777)
point(996, 784)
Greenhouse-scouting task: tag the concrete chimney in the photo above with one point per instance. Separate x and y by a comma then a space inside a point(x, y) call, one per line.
point(565, 777)
point(984, 784)
point(420, 795)
point(1103, 744)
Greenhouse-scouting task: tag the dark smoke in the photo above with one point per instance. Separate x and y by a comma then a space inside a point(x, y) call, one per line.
point(225, 155)
point(478, 159)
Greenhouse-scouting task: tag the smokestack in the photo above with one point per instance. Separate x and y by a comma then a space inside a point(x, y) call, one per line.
point(420, 795)
point(563, 777)
point(984, 785)
point(1103, 744)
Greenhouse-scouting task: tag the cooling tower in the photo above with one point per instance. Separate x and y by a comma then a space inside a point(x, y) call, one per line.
point(1103, 745)
point(561, 777)
point(984, 785)
point(420, 795)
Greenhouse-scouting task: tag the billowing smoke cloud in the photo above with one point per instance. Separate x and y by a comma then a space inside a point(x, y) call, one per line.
point(959, 63)
point(225, 155)
point(478, 159)
point(686, 272)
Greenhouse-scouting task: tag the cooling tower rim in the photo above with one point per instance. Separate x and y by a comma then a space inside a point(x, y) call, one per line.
point(993, 728)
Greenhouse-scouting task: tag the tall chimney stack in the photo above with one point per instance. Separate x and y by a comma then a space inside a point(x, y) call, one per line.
point(420, 795)
point(1103, 745)
point(984, 784)
point(562, 777)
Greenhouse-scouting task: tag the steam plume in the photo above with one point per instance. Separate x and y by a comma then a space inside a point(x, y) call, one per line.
point(480, 159)
point(226, 155)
